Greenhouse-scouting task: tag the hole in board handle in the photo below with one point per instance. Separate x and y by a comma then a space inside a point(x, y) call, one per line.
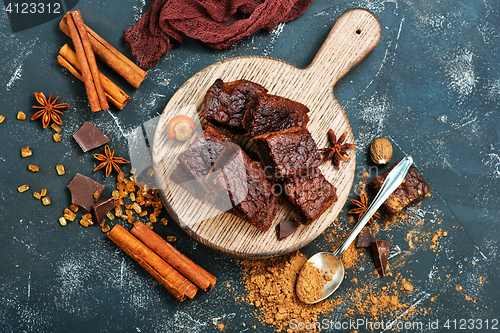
point(358, 31)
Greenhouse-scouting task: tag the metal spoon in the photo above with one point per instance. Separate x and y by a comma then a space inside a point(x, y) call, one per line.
point(330, 262)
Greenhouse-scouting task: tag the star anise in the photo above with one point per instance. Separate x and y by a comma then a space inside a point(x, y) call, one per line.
point(338, 150)
point(362, 206)
point(109, 161)
point(48, 109)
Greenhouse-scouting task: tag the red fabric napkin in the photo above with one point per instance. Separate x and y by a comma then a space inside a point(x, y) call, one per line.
point(217, 23)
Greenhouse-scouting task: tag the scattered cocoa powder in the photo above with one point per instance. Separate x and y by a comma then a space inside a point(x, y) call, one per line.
point(350, 256)
point(406, 285)
point(435, 240)
point(379, 302)
point(270, 286)
point(384, 300)
point(418, 240)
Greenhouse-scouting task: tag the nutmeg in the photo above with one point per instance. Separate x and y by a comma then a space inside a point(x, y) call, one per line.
point(180, 128)
point(381, 151)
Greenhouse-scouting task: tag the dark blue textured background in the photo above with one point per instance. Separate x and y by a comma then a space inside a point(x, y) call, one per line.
point(432, 86)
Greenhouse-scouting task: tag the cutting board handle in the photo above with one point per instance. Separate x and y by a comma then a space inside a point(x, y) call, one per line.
point(352, 38)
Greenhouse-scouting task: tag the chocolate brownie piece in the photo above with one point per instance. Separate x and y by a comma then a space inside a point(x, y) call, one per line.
point(259, 206)
point(227, 176)
point(413, 188)
point(226, 102)
point(245, 184)
point(270, 113)
point(286, 153)
point(185, 179)
point(198, 159)
point(310, 194)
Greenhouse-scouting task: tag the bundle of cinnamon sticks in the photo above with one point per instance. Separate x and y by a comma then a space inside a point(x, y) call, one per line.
point(82, 64)
point(176, 272)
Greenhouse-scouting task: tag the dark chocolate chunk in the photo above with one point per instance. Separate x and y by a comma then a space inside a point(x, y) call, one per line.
point(82, 190)
point(226, 102)
point(89, 137)
point(285, 228)
point(381, 255)
point(411, 189)
point(270, 113)
point(311, 195)
point(287, 153)
point(365, 238)
point(102, 207)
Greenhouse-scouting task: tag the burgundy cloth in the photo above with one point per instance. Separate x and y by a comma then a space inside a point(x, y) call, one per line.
point(217, 23)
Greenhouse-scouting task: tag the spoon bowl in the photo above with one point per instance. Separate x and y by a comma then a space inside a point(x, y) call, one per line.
point(331, 263)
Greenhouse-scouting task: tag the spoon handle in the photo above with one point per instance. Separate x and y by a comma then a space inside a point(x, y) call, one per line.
point(392, 181)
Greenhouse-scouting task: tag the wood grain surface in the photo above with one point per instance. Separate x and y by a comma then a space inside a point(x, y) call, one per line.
point(352, 38)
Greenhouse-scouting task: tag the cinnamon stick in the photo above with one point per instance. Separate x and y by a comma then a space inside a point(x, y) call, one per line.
point(199, 276)
point(122, 65)
point(68, 59)
point(90, 73)
point(173, 281)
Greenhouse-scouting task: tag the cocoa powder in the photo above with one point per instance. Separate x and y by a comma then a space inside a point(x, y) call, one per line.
point(310, 283)
point(270, 286)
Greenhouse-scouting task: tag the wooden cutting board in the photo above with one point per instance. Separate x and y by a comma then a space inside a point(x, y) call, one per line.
point(352, 38)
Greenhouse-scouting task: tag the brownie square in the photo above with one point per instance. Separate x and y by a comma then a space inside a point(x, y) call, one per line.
point(310, 195)
point(227, 177)
point(413, 188)
point(287, 153)
point(243, 181)
point(185, 179)
point(259, 206)
point(226, 102)
point(198, 159)
point(270, 113)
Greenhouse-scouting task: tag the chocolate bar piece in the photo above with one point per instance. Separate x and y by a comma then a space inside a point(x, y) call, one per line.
point(380, 250)
point(270, 113)
point(411, 189)
point(102, 207)
point(198, 159)
point(236, 177)
point(287, 153)
point(82, 190)
point(89, 137)
point(286, 228)
point(226, 102)
point(310, 194)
